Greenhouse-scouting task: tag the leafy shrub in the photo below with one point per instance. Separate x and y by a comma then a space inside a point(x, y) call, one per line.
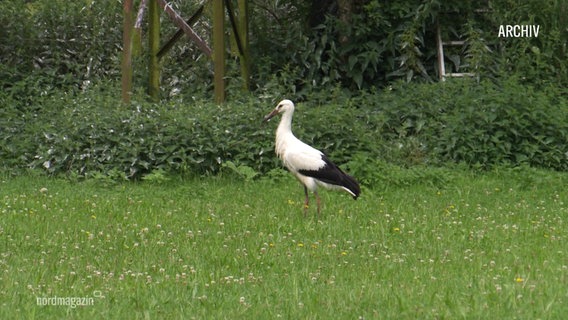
point(55, 44)
point(93, 133)
point(384, 41)
point(482, 125)
point(382, 175)
point(540, 60)
point(58, 44)
point(510, 125)
point(15, 142)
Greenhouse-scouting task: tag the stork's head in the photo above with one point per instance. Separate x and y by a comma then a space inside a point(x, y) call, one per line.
point(283, 106)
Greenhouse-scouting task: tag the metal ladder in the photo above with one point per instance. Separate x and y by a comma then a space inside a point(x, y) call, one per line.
point(441, 61)
point(440, 48)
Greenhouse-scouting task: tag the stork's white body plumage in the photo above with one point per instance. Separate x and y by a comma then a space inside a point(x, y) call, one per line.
point(309, 165)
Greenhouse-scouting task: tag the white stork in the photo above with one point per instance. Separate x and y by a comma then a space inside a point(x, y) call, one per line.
point(311, 166)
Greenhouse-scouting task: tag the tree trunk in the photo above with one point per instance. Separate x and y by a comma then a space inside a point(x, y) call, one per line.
point(344, 14)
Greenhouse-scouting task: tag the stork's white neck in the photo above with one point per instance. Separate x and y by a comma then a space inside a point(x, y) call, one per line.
point(284, 134)
point(285, 125)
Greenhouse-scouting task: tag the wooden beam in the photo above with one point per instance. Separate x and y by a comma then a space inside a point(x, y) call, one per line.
point(179, 33)
point(219, 50)
point(180, 23)
point(127, 52)
point(154, 45)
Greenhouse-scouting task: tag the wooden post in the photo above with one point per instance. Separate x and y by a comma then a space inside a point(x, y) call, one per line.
point(127, 52)
point(243, 31)
point(219, 50)
point(154, 46)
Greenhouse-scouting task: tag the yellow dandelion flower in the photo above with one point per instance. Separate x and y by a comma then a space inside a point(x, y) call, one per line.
point(519, 280)
point(300, 244)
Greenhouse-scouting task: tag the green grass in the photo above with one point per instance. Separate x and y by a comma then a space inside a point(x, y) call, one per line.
point(469, 245)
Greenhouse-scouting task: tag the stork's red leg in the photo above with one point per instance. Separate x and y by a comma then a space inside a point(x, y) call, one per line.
point(318, 202)
point(307, 201)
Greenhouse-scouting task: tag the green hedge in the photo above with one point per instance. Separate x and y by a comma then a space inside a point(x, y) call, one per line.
point(485, 124)
point(481, 125)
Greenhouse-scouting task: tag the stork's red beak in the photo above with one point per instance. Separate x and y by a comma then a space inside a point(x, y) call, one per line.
point(270, 115)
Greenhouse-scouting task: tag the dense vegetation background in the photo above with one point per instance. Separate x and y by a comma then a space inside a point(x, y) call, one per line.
point(362, 71)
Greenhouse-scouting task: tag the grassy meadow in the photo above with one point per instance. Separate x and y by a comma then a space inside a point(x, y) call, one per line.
point(476, 245)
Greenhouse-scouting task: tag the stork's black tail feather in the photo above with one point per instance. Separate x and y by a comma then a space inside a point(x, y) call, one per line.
point(332, 174)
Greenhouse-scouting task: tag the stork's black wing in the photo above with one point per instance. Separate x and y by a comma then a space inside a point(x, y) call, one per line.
point(332, 174)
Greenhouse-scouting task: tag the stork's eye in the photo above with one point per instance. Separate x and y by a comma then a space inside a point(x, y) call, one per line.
point(279, 107)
